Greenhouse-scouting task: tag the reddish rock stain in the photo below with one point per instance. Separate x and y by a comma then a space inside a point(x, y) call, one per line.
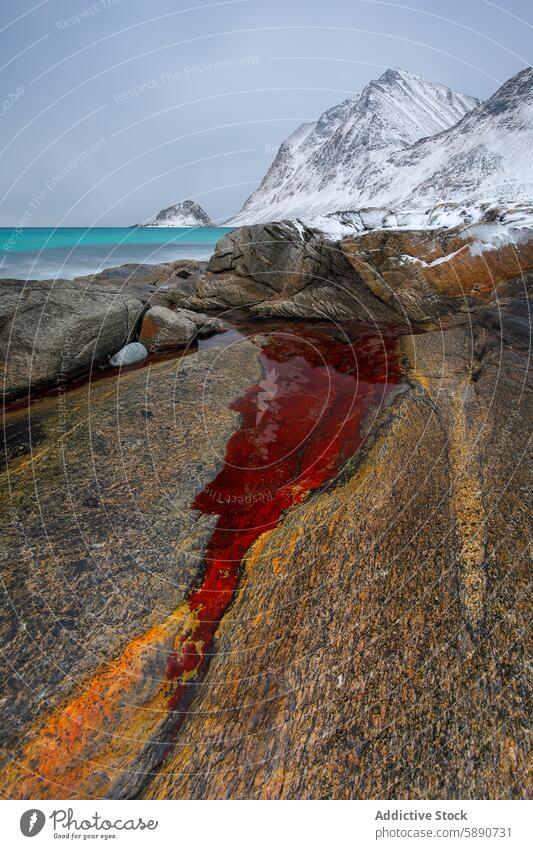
point(300, 425)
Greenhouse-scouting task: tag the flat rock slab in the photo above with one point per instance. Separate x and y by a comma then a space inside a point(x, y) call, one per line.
point(100, 546)
point(379, 643)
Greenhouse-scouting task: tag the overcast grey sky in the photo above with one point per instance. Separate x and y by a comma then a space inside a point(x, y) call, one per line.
point(170, 99)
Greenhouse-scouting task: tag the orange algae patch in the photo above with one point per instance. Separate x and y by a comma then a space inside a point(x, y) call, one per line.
point(300, 425)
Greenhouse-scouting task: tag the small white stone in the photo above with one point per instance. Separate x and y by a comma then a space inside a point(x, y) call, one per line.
point(129, 354)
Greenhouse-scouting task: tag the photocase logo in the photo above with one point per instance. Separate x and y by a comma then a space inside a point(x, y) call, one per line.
point(32, 822)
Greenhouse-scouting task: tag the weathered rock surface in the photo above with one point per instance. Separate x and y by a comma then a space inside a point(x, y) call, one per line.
point(165, 328)
point(292, 271)
point(143, 280)
point(218, 292)
point(99, 548)
point(426, 274)
point(53, 331)
point(281, 270)
point(206, 325)
point(379, 640)
point(378, 646)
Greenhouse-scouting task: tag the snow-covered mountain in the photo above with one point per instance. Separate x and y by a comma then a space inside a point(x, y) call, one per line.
point(486, 158)
point(184, 214)
point(326, 165)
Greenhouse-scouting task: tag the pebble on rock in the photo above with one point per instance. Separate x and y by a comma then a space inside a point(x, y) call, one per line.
point(134, 352)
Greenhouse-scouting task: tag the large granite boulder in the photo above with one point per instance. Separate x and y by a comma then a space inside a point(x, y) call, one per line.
point(164, 328)
point(280, 270)
point(284, 256)
point(50, 331)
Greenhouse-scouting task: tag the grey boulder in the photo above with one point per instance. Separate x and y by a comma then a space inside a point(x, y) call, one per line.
point(166, 328)
point(50, 331)
point(285, 270)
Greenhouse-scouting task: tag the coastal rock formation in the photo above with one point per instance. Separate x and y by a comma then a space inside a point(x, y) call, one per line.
point(280, 270)
point(52, 331)
point(378, 645)
point(426, 274)
point(100, 547)
point(377, 641)
point(286, 269)
point(184, 214)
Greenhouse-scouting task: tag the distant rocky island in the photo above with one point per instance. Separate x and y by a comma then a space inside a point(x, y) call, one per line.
point(187, 213)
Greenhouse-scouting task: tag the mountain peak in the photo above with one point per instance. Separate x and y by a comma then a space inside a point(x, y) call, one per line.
point(334, 155)
point(393, 75)
point(518, 87)
point(522, 82)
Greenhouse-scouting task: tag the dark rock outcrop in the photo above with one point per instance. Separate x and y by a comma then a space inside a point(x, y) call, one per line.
point(187, 213)
point(281, 270)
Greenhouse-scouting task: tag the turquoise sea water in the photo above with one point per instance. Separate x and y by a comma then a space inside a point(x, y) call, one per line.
point(66, 252)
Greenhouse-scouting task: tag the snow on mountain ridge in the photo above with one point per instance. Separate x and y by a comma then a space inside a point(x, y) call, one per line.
point(324, 165)
point(485, 158)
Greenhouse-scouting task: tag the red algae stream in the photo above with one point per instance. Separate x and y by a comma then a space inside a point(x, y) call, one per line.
point(300, 425)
